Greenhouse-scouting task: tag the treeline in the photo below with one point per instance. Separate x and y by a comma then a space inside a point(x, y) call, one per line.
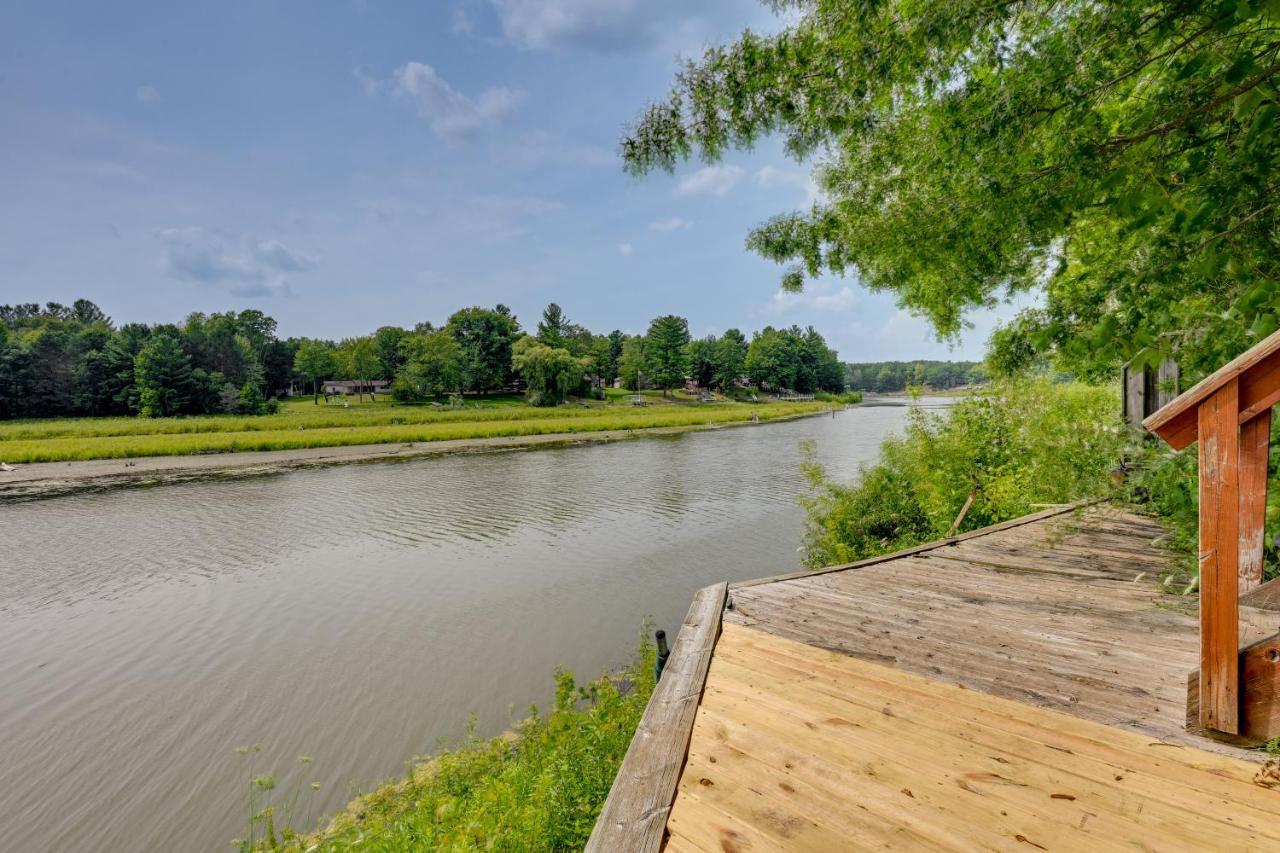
point(58, 360)
point(890, 376)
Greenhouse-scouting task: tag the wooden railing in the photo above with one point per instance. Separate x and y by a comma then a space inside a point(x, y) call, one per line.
point(1229, 413)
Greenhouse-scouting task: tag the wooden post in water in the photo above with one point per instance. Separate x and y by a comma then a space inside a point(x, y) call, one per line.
point(1229, 413)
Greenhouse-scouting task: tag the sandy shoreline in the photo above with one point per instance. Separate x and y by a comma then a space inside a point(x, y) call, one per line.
point(53, 479)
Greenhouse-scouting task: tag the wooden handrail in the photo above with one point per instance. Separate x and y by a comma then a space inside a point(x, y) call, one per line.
point(1229, 413)
point(1258, 370)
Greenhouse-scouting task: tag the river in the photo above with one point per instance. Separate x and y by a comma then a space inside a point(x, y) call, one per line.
point(356, 615)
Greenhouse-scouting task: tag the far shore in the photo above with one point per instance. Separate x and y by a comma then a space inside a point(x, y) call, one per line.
point(54, 479)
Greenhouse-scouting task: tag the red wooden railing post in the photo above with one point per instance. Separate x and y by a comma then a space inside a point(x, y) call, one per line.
point(1219, 433)
point(1255, 446)
point(1229, 413)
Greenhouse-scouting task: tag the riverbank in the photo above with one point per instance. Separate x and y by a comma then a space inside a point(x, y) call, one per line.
point(53, 479)
point(499, 787)
point(301, 425)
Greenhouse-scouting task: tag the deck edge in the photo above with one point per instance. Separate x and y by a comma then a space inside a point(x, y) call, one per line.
point(634, 816)
point(922, 548)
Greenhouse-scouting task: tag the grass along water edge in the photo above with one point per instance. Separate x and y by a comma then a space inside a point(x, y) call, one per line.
point(286, 431)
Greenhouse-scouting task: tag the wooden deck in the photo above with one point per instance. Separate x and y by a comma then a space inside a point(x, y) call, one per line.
point(1022, 687)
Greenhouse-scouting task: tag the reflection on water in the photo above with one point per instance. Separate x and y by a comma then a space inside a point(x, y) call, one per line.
point(356, 614)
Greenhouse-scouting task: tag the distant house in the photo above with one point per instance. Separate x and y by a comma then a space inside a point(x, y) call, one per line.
point(351, 386)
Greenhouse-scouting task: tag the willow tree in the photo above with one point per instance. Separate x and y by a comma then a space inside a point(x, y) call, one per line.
point(1121, 157)
point(550, 372)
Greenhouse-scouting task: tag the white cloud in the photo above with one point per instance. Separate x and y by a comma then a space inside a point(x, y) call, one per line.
point(669, 26)
point(243, 266)
point(716, 180)
point(147, 94)
point(450, 112)
point(817, 296)
point(371, 85)
point(675, 223)
point(594, 23)
point(461, 24)
point(276, 255)
point(625, 249)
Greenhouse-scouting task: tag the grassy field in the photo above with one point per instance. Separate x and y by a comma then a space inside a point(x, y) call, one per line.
point(300, 424)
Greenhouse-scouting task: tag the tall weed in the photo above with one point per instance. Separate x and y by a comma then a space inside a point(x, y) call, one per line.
point(1010, 447)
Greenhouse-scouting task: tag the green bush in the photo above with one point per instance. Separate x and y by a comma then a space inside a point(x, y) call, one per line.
point(538, 788)
point(848, 398)
point(1012, 446)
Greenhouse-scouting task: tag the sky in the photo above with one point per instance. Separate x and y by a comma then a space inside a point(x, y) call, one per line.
point(357, 163)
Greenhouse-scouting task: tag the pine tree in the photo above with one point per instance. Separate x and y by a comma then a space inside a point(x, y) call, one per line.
point(162, 372)
point(666, 359)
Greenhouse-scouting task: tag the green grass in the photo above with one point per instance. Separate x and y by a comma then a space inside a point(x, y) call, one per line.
point(300, 425)
point(538, 788)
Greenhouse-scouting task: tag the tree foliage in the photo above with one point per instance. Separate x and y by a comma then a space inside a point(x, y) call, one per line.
point(486, 336)
point(434, 365)
point(314, 361)
point(701, 355)
point(163, 375)
point(551, 326)
point(793, 359)
point(731, 358)
point(889, 376)
point(664, 351)
point(358, 358)
point(1121, 157)
point(549, 372)
point(631, 364)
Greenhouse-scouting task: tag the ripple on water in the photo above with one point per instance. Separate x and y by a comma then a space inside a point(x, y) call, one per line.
point(356, 614)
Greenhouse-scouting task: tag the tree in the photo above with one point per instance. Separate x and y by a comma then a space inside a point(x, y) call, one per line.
point(616, 340)
point(665, 360)
point(86, 313)
point(821, 365)
point(552, 325)
point(486, 337)
point(701, 356)
point(315, 360)
point(1121, 157)
point(434, 365)
point(358, 358)
point(205, 396)
point(391, 357)
point(550, 372)
point(277, 365)
point(731, 355)
point(163, 374)
point(631, 364)
point(771, 359)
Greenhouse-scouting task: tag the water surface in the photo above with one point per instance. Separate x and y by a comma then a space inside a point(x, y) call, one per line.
point(354, 614)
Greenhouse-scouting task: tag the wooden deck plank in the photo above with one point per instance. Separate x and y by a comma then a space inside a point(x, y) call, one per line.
point(821, 671)
point(790, 737)
point(1050, 612)
point(636, 810)
point(940, 698)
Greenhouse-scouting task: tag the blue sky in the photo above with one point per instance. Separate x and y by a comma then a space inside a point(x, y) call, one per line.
point(347, 165)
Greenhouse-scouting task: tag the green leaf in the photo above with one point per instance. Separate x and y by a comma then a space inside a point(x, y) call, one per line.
point(1263, 325)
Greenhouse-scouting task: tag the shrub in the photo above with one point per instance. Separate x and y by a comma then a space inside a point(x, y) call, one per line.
point(1012, 446)
point(538, 788)
point(848, 398)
